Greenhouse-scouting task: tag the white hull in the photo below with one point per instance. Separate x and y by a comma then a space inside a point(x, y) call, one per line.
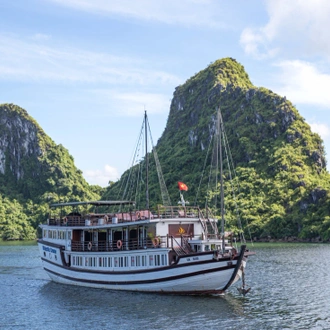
point(202, 275)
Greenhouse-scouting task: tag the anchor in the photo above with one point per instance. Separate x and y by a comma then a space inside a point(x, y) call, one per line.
point(243, 289)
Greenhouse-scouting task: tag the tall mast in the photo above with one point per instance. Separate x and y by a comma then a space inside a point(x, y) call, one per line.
point(222, 200)
point(147, 161)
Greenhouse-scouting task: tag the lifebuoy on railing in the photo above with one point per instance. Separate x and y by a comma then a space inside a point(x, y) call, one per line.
point(119, 244)
point(89, 246)
point(155, 241)
point(65, 221)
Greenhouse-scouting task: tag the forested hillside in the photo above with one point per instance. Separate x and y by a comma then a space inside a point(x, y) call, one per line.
point(34, 171)
point(284, 187)
point(280, 164)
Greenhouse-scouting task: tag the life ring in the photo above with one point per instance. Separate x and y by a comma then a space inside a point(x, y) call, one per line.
point(138, 215)
point(119, 244)
point(89, 246)
point(155, 241)
point(65, 221)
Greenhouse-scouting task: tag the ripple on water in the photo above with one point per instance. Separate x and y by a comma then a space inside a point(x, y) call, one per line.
point(290, 289)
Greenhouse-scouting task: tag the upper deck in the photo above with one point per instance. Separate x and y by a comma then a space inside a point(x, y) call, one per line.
point(96, 219)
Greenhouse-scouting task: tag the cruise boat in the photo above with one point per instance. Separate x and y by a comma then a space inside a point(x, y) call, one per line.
point(168, 249)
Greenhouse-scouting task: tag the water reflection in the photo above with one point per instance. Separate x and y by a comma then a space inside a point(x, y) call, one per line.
point(122, 308)
point(290, 289)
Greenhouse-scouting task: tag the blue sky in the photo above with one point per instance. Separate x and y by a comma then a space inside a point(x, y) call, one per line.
point(86, 70)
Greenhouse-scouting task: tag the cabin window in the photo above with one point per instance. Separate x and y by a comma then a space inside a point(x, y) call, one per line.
point(77, 261)
point(151, 260)
point(144, 261)
point(45, 233)
point(61, 234)
point(163, 260)
point(116, 261)
point(157, 260)
point(120, 259)
point(138, 261)
point(132, 261)
point(207, 248)
point(197, 247)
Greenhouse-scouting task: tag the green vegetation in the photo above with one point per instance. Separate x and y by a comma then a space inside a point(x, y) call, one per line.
point(284, 188)
point(34, 171)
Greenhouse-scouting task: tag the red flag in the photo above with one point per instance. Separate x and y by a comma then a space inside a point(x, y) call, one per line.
point(182, 186)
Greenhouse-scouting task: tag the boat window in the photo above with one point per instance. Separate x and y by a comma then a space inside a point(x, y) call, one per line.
point(138, 261)
point(45, 233)
point(207, 248)
point(144, 261)
point(151, 260)
point(116, 261)
point(132, 261)
point(110, 261)
point(157, 260)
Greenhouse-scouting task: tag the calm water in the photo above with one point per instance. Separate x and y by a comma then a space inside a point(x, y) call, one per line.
point(290, 290)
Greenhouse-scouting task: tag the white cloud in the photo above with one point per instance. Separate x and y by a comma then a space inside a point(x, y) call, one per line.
point(205, 13)
point(42, 63)
point(322, 129)
point(302, 82)
point(41, 37)
point(294, 27)
point(252, 41)
point(132, 104)
point(102, 177)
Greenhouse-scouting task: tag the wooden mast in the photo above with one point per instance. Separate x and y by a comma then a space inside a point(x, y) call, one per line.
point(222, 199)
point(147, 161)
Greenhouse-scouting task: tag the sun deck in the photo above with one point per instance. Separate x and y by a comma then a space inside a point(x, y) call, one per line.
point(97, 219)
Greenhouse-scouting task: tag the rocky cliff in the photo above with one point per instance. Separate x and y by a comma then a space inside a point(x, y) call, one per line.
point(33, 171)
point(280, 163)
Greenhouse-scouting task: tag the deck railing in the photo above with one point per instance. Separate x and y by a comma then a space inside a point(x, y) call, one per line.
point(178, 244)
point(93, 219)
